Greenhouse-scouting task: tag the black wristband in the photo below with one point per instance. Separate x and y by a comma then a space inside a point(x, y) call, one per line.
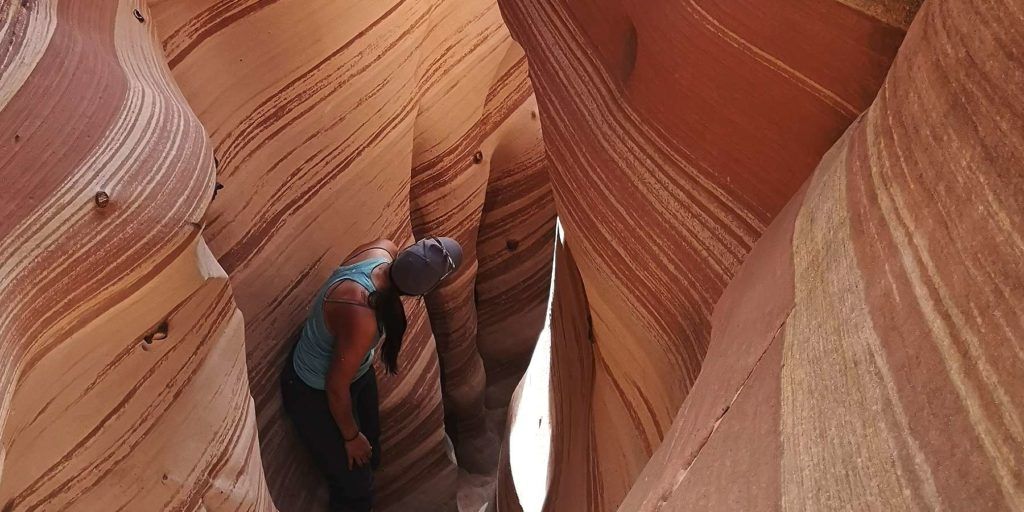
point(353, 437)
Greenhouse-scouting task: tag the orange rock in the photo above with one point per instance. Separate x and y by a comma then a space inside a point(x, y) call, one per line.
point(474, 142)
point(318, 112)
point(311, 107)
point(677, 131)
point(122, 375)
point(881, 372)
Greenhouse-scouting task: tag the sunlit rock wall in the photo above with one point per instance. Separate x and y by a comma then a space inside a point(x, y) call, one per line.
point(868, 354)
point(336, 123)
point(125, 372)
point(516, 247)
point(479, 175)
point(677, 131)
point(123, 382)
point(312, 121)
point(572, 379)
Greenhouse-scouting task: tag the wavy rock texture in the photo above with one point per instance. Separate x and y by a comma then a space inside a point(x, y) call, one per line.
point(335, 123)
point(122, 373)
point(865, 356)
point(312, 127)
point(677, 131)
point(868, 354)
point(517, 236)
point(572, 379)
point(123, 350)
point(479, 176)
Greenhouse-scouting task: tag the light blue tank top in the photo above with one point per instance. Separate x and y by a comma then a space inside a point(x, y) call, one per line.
point(316, 344)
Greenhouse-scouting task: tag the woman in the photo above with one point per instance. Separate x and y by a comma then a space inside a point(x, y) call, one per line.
point(329, 385)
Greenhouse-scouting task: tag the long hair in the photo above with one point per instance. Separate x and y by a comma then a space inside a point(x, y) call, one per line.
point(390, 312)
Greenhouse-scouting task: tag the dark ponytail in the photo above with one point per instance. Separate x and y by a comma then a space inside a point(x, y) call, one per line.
point(391, 314)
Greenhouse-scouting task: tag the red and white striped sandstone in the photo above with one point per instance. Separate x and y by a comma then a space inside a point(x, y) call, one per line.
point(867, 356)
point(856, 333)
point(677, 131)
point(122, 376)
point(318, 111)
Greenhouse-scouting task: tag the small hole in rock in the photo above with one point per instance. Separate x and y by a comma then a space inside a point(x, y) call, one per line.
point(160, 332)
point(138, 15)
point(511, 245)
point(478, 157)
point(102, 199)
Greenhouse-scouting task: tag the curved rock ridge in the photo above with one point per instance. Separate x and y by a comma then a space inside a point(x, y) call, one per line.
point(125, 378)
point(335, 123)
point(789, 279)
point(479, 175)
point(123, 383)
point(572, 379)
point(867, 355)
point(677, 131)
point(312, 124)
point(516, 246)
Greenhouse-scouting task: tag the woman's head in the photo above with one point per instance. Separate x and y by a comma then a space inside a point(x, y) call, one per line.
point(421, 267)
point(417, 270)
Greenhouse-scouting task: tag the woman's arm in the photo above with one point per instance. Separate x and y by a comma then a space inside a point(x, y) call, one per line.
point(354, 331)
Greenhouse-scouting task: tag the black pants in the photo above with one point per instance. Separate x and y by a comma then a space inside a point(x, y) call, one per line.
point(351, 489)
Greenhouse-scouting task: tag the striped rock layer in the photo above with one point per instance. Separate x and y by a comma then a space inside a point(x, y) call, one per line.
point(126, 371)
point(479, 175)
point(868, 355)
point(309, 124)
point(572, 379)
point(123, 382)
point(335, 123)
point(677, 131)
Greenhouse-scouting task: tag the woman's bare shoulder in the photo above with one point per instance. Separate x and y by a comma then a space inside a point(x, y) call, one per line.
point(347, 291)
point(347, 302)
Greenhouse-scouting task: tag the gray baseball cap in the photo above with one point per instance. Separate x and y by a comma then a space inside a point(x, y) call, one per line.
point(419, 268)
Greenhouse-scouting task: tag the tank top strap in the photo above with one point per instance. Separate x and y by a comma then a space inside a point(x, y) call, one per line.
point(359, 272)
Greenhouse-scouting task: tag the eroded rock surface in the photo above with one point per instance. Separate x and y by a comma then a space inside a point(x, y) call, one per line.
point(677, 131)
point(856, 333)
point(867, 355)
point(317, 114)
point(123, 370)
point(340, 122)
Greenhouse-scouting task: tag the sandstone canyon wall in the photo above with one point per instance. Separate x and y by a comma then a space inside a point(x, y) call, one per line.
point(360, 122)
point(677, 132)
point(123, 370)
point(867, 355)
point(125, 358)
point(765, 299)
point(477, 141)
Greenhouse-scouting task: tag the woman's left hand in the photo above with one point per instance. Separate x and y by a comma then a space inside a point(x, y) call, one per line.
point(359, 451)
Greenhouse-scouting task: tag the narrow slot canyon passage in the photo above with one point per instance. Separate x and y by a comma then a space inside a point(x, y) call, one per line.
point(648, 256)
point(530, 430)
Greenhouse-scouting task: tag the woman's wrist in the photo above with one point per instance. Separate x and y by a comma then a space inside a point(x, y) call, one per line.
point(352, 438)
